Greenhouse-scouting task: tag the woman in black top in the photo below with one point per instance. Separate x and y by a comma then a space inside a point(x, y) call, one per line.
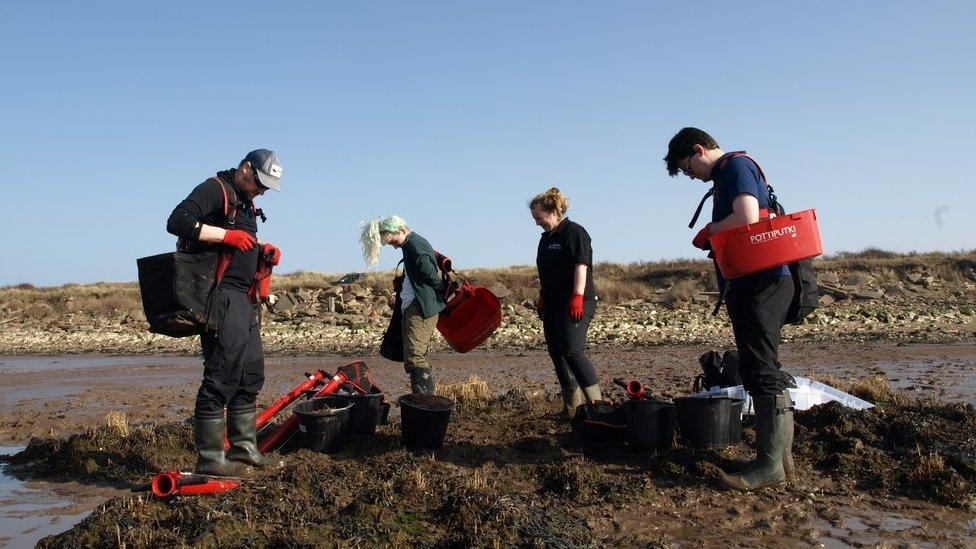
point(567, 296)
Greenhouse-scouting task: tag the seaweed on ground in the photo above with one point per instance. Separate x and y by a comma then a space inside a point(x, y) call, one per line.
point(508, 475)
point(920, 449)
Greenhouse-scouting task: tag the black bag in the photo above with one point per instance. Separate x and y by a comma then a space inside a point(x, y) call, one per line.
point(391, 348)
point(600, 422)
point(718, 370)
point(806, 294)
point(178, 288)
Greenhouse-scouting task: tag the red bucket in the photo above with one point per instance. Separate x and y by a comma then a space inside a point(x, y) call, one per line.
point(471, 316)
point(767, 243)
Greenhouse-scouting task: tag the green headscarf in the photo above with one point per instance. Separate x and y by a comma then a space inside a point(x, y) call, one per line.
point(371, 237)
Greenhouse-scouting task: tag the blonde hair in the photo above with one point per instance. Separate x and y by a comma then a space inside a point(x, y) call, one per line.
point(372, 235)
point(551, 201)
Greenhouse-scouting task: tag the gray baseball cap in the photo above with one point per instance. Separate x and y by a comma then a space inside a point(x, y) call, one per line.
point(266, 168)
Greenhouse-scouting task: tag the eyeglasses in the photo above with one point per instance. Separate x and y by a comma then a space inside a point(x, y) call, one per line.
point(254, 174)
point(686, 169)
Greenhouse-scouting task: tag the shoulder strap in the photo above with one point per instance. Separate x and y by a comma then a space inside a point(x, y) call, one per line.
point(230, 215)
point(230, 201)
point(762, 176)
point(694, 218)
point(774, 205)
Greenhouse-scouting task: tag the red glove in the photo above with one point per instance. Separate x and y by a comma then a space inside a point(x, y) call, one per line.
point(576, 308)
point(271, 253)
point(701, 239)
point(242, 240)
point(260, 289)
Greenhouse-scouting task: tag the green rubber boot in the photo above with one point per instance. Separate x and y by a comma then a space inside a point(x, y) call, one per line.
point(422, 381)
point(208, 437)
point(789, 466)
point(774, 427)
point(592, 393)
point(242, 434)
point(572, 399)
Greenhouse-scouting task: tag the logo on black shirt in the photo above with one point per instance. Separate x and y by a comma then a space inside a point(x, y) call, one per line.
point(555, 246)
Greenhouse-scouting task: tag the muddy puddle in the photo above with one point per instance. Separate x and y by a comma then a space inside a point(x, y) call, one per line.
point(31, 510)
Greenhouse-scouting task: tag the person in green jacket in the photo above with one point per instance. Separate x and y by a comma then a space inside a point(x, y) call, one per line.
point(422, 295)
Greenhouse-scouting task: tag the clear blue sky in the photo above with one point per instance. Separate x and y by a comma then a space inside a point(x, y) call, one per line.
point(453, 114)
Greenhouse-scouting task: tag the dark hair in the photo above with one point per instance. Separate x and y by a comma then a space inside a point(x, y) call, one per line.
point(682, 145)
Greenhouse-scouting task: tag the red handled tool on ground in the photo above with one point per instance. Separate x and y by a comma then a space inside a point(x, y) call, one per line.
point(634, 389)
point(177, 483)
point(353, 377)
point(300, 390)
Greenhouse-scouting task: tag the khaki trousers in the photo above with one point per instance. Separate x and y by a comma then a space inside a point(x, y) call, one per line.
point(417, 332)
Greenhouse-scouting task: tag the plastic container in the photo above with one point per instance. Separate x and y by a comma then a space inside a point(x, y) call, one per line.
point(650, 424)
point(424, 420)
point(805, 395)
point(768, 243)
point(366, 412)
point(711, 422)
point(470, 317)
point(324, 422)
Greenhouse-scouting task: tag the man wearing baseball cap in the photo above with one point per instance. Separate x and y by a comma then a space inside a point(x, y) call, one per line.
point(219, 215)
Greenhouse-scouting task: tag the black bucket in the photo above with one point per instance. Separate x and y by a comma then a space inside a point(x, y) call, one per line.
point(366, 412)
point(423, 420)
point(712, 422)
point(650, 424)
point(324, 422)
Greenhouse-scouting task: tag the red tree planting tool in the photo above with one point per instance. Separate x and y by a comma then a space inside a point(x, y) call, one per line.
point(293, 395)
point(176, 483)
point(302, 388)
point(633, 388)
point(354, 375)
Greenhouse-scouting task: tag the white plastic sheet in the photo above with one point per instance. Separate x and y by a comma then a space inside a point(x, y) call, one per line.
point(807, 394)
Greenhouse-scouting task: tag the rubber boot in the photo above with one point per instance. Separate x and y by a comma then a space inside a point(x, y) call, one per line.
point(572, 399)
point(789, 466)
point(774, 418)
point(242, 434)
point(208, 437)
point(592, 393)
point(421, 381)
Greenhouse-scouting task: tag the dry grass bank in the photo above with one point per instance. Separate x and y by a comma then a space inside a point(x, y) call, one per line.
point(678, 280)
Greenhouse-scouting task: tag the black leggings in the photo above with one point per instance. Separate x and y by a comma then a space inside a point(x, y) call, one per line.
point(565, 341)
point(757, 307)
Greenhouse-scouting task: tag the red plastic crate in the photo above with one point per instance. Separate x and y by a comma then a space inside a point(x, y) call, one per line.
point(767, 243)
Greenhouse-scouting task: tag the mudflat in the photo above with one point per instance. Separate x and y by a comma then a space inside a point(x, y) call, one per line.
point(62, 395)
point(510, 470)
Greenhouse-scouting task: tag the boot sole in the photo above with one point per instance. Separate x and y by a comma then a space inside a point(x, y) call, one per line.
point(736, 486)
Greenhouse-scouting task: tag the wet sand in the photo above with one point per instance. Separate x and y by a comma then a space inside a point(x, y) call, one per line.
point(58, 396)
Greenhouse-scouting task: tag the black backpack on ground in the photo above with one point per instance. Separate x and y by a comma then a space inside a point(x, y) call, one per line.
point(806, 295)
point(177, 288)
point(718, 370)
point(600, 422)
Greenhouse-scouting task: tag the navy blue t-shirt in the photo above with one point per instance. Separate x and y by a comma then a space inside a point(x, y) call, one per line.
point(732, 177)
